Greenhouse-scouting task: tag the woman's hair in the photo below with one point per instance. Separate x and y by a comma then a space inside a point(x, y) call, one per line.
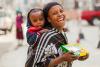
point(28, 19)
point(46, 9)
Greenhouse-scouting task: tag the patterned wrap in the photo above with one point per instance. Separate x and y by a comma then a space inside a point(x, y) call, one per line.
point(48, 48)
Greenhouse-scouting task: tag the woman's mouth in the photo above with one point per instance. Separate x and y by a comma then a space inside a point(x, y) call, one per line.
point(61, 19)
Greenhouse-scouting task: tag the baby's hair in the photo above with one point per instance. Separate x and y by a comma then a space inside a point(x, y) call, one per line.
point(28, 19)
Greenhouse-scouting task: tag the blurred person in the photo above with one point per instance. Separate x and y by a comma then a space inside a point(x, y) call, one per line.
point(76, 4)
point(74, 25)
point(48, 53)
point(74, 30)
point(98, 46)
point(96, 5)
point(19, 30)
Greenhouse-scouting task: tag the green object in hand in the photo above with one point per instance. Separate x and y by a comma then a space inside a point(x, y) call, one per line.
point(73, 49)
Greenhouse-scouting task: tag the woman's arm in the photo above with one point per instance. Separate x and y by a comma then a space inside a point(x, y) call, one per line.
point(68, 57)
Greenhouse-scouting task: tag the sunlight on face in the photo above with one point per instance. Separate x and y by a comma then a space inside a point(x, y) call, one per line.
point(56, 16)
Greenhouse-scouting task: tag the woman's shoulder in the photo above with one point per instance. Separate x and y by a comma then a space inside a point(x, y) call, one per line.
point(49, 34)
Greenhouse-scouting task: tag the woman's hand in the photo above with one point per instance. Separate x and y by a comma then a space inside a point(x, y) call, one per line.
point(82, 58)
point(69, 57)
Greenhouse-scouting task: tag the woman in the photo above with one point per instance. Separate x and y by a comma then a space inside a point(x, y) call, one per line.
point(19, 30)
point(48, 52)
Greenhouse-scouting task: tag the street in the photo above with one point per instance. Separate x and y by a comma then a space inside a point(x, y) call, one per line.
point(11, 57)
point(5, 43)
point(90, 42)
point(4, 48)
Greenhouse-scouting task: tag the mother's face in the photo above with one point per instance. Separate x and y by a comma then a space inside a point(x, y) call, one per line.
point(56, 16)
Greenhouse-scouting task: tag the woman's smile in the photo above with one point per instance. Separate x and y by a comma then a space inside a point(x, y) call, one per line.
point(57, 16)
point(61, 19)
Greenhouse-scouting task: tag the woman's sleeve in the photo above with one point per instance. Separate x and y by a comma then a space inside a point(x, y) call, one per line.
point(45, 60)
point(44, 63)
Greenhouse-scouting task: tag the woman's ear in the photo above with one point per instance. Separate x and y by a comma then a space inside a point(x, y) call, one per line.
point(48, 20)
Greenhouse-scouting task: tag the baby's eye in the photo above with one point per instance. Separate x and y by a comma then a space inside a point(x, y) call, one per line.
point(41, 19)
point(34, 20)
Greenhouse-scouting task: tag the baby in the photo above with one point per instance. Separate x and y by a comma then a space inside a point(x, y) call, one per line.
point(35, 24)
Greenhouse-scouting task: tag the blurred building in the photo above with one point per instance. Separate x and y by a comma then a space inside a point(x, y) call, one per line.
point(11, 6)
point(81, 4)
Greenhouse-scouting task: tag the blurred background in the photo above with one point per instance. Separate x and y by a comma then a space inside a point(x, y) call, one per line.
point(83, 23)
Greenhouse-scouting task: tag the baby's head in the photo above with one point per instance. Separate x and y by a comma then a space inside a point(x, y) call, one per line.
point(35, 18)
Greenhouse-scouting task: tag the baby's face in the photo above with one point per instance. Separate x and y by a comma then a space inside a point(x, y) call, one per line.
point(37, 19)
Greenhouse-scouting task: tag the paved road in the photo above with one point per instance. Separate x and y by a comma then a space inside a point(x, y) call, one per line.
point(4, 47)
point(6, 41)
point(90, 42)
point(16, 58)
point(9, 56)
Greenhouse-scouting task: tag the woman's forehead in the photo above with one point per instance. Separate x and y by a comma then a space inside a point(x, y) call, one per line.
point(55, 8)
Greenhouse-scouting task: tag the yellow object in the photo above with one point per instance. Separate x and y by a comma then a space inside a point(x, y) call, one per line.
point(76, 44)
point(83, 52)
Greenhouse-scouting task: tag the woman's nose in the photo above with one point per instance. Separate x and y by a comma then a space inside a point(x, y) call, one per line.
point(59, 14)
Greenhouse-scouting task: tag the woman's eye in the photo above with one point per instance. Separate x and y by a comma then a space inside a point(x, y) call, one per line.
point(61, 11)
point(54, 13)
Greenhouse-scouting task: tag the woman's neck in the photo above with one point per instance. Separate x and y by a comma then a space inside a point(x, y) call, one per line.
point(60, 29)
